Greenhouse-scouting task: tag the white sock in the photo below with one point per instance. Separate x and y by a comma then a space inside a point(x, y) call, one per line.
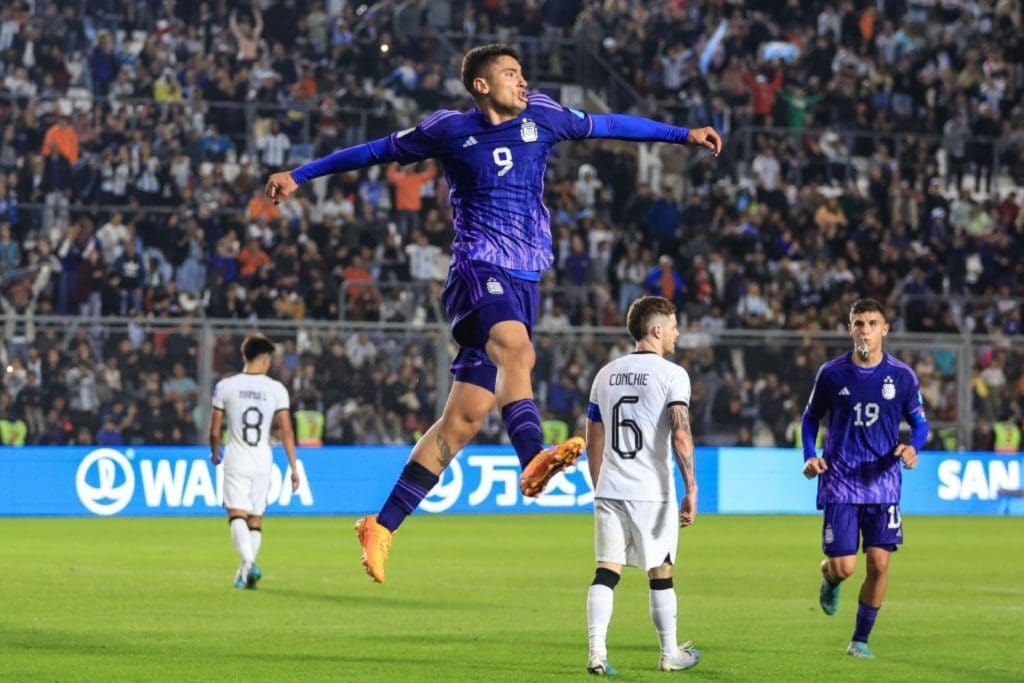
point(600, 601)
point(663, 614)
point(256, 538)
point(243, 541)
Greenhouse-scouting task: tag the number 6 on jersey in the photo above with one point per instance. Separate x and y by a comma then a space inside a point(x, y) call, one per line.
point(620, 426)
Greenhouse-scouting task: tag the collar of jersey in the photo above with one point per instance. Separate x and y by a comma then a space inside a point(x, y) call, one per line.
point(480, 115)
point(871, 368)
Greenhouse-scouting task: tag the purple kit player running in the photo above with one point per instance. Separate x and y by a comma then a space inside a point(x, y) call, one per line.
point(494, 158)
point(866, 393)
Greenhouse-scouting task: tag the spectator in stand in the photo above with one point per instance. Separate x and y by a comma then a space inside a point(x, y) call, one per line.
point(62, 137)
point(131, 271)
point(408, 184)
point(665, 281)
point(103, 64)
point(763, 91)
point(273, 146)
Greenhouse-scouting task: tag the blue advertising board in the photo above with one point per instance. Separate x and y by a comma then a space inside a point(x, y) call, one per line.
point(169, 481)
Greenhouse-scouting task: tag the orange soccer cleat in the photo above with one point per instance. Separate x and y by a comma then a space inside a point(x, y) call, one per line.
point(376, 542)
point(547, 464)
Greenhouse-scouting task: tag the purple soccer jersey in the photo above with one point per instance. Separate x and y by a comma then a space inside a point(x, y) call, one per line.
point(496, 177)
point(865, 407)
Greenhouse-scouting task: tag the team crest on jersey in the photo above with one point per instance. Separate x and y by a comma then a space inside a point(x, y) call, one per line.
point(494, 287)
point(528, 131)
point(829, 535)
point(888, 389)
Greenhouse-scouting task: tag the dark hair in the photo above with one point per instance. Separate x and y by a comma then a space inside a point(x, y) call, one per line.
point(477, 61)
point(867, 306)
point(643, 310)
point(255, 345)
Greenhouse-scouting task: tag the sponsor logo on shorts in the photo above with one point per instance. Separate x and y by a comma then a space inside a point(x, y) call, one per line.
point(829, 535)
point(494, 287)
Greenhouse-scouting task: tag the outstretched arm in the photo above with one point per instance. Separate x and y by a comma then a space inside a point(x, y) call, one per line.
point(626, 127)
point(378, 151)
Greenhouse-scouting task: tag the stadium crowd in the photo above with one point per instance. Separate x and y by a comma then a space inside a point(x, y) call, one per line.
point(135, 139)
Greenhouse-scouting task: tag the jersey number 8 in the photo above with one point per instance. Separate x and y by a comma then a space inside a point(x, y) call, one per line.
point(248, 426)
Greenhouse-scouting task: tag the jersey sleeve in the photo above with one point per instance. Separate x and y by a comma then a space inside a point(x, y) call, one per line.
point(282, 402)
point(218, 396)
point(678, 388)
point(913, 412)
point(565, 123)
point(818, 403)
point(425, 141)
point(594, 409)
point(913, 405)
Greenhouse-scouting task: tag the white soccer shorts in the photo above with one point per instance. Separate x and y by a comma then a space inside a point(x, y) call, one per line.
point(246, 491)
point(637, 533)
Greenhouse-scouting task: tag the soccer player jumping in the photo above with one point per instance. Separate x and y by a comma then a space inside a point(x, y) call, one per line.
point(494, 157)
point(866, 392)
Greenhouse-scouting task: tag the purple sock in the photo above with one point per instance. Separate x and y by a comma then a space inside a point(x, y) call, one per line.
point(866, 615)
point(412, 486)
point(522, 422)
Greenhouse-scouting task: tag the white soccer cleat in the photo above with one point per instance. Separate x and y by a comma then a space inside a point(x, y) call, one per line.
point(597, 664)
point(685, 657)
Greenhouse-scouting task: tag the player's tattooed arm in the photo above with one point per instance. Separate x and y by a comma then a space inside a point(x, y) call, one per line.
point(444, 451)
point(682, 444)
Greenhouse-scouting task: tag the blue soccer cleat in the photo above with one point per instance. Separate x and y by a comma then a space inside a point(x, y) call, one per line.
point(598, 665)
point(254, 577)
point(828, 595)
point(859, 650)
point(239, 581)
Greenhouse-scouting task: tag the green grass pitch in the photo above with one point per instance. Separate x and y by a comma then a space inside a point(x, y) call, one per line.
point(489, 598)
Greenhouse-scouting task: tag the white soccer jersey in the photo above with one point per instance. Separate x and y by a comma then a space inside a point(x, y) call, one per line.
point(249, 402)
point(633, 394)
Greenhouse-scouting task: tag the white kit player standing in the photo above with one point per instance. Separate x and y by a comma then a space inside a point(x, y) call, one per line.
point(642, 399)
point(250, 402)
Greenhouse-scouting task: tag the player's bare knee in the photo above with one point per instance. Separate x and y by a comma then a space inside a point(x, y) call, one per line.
point(462, 427)
point(878, 563)
point(512, 355)
point(665, 571)
point(462, 423)
point(842, 573)
point(842, 568)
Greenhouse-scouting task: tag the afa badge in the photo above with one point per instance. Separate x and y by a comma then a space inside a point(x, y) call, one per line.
point(888, 389)
point(528, 131)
